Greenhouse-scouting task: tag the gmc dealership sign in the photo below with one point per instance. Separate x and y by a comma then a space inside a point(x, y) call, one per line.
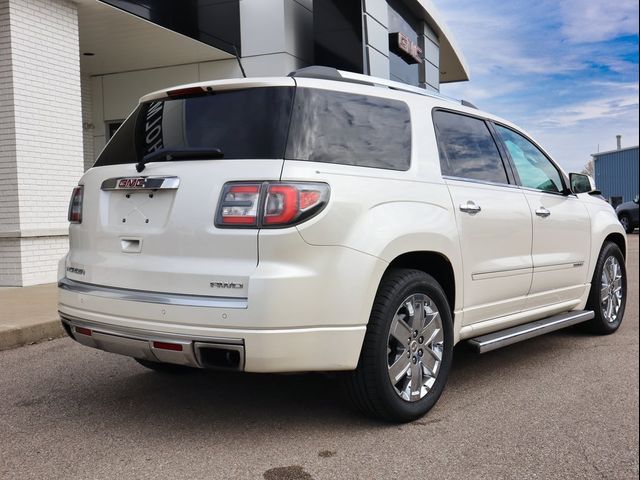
point(402, 46)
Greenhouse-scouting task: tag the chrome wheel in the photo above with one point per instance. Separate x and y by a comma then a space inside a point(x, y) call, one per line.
point(414, 347)
point(611, 289)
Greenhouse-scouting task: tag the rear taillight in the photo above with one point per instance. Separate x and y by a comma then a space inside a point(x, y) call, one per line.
point(239, 205)
point(270, 204)
point(75, 205)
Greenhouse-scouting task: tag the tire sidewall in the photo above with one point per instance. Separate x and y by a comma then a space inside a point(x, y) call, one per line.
point(600, 322)
point(425, 284)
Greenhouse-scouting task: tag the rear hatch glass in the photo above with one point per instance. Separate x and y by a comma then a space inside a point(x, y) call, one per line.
point(268, 123)
point(243, 124)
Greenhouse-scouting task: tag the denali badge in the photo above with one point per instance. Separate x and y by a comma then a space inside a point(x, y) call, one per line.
point(76, 271)
point(226, 285)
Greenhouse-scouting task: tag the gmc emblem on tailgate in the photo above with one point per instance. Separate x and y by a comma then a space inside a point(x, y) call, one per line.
point(129, 183)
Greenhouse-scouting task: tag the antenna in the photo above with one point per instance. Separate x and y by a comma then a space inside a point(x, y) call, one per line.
point(235, 49)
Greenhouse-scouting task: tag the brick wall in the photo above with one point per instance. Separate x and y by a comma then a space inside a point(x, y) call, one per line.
point(41, 147)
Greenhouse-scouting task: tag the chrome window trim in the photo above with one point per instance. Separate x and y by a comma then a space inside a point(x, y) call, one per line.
point(150, 183)
point(480, 182)
point(131, 295)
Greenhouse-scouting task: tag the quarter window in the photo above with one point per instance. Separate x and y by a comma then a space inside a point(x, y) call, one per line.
point(350, 129)
point(534, 168)
point(467, 149)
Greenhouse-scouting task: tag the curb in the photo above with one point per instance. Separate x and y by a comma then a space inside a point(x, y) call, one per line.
point(12, 336)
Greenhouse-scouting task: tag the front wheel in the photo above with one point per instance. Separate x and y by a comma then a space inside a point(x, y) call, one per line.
point(407, 350)
point(608, 295)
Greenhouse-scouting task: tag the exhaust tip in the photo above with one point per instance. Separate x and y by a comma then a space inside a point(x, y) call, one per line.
point(221, 357)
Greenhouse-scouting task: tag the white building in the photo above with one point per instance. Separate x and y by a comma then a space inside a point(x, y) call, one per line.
point(71, 71)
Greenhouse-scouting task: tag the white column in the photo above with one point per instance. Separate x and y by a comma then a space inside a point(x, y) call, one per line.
point(41, 148)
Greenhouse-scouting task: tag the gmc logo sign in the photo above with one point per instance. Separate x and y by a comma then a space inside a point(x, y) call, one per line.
point(402, 46)
point(129, 183)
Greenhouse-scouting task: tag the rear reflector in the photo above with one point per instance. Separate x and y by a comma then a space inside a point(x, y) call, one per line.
point(83, 331)
point(175, 347)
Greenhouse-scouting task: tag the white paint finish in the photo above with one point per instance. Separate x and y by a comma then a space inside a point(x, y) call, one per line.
point(496, 239)
point(373, 217)
point(121, 91)
point(262, 27)
point(561, 239)
point(123, 42)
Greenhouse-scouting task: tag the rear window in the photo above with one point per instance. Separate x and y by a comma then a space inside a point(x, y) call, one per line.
point(326, 126)
point(350, 129)
point(249, 123)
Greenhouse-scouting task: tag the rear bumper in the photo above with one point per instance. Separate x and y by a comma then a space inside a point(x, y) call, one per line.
point(282, 350)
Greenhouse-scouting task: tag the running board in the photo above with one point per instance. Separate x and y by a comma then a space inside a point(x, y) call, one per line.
point(502, 338)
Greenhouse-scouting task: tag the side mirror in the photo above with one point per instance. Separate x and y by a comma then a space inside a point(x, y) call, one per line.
point(636, 199)
point(581, 183)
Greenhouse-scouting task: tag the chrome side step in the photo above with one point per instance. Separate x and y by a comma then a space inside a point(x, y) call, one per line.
point(502, 338)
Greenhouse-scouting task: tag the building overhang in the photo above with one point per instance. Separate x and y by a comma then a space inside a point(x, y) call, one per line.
point(121, 42)
point(453, 66)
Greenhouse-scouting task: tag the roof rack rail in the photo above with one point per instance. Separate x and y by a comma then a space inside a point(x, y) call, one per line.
point(330, 73)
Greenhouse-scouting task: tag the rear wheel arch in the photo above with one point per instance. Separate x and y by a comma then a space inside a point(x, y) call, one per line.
point(433, 263)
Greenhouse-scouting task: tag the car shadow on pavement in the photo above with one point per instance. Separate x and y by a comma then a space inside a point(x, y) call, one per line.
point(136, 398)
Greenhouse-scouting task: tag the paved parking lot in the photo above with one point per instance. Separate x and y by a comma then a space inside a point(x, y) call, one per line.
point(560, 406)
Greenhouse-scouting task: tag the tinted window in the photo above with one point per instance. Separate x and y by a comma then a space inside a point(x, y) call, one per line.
point(336, 127)
point(534, 168)
point(250, 123)
point(467, 149)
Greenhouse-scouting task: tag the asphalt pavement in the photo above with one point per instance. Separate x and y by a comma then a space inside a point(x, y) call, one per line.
point(564, 405)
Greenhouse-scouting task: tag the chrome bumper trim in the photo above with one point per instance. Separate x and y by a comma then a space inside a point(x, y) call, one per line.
point(141, 344)
point(137, 333)
point(152, 297)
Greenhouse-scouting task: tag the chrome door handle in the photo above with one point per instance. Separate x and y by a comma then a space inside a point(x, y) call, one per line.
point(543, 212)
point(470, 208)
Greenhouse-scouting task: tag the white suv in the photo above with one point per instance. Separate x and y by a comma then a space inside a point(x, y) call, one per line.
point(331, 221)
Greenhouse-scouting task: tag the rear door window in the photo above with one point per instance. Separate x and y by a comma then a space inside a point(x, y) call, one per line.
point(350, 129)
point(467, 148)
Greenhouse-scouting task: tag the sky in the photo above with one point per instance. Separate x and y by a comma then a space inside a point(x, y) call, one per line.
point(566, 71)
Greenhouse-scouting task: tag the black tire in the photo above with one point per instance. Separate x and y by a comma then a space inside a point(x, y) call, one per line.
point(166, 368)
point(600, 324)
point(369, 386)
point(625, 221)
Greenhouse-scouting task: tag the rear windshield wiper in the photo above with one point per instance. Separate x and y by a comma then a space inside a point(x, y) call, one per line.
point(169, 154)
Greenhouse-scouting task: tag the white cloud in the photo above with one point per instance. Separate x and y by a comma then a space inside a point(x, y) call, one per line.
point(598, 20)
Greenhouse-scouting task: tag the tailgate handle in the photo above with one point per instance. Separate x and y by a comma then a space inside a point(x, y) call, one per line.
point(131, 245)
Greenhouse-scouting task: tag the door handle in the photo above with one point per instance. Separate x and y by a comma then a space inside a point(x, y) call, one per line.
point(470, 208)
point(543, 212)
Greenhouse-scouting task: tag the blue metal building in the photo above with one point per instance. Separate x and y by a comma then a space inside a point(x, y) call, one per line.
point(616, 174)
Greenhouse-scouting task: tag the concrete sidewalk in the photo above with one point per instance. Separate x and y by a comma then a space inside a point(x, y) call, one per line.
point(28, 315)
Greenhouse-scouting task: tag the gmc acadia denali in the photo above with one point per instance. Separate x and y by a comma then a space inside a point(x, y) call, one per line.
point(330, 221)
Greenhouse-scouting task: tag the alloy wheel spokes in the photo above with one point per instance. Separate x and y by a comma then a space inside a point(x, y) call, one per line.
point(414, 347)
